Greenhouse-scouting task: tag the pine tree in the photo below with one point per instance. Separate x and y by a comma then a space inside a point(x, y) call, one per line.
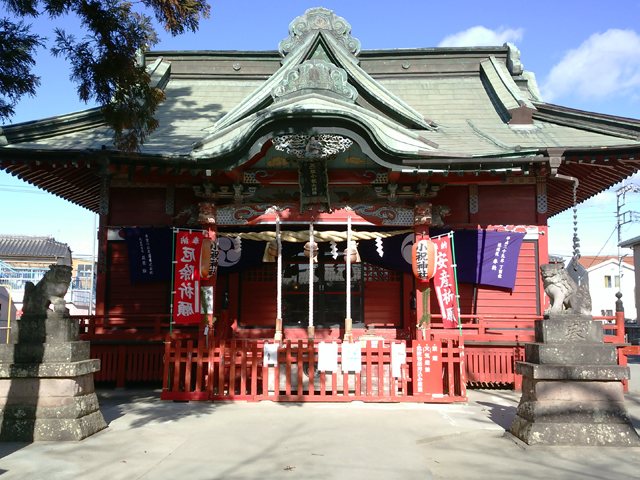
point(104, 64)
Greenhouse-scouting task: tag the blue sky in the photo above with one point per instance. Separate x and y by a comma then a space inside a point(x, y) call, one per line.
point(585, 54)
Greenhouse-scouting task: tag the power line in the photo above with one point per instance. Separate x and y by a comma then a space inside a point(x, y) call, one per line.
point(605, 244)
point(17, 189)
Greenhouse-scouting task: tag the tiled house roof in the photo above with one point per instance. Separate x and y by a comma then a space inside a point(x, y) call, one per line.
point(588, 261)
point(23, 247)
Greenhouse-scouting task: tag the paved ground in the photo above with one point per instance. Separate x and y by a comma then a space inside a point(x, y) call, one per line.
point(150, 439)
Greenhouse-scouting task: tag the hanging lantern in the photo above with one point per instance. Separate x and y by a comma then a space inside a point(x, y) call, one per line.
point(311, 250)
point(352, 250)
point(423, 260)
point(205, 258)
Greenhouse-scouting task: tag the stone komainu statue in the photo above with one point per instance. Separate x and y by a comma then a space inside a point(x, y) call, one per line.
point(50, 290)
point(565, 294)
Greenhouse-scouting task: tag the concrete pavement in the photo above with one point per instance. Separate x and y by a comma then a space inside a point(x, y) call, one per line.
point(151, 439)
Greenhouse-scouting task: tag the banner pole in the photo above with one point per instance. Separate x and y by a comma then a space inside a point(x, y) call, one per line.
point(278, 333)
point(348, 322)
point(455, 278)
point(312, 252)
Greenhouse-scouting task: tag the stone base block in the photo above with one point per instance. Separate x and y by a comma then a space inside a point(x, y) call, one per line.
point(573, 412)
point(572, 372)
point(568, 328)
point(54, 328)
point(564, 390)
point(44, 352)
point(574, 433)
point(579, 354)
point(38, 388)
point(51, 429)
point(49, 370)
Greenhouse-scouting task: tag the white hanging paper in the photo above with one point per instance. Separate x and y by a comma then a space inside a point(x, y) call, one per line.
point(270, 355)
point(351, 357)
point(206, 299)
point(398, 358)
point(327, 357)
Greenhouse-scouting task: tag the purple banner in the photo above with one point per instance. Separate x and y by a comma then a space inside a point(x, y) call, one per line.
point(488, 258)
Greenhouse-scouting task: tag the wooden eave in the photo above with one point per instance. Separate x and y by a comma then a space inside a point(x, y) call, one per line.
point(596, 170)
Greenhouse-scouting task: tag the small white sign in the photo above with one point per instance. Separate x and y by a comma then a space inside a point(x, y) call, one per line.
point(351, 357)
point(398, 358)
point(327, 357)
point(270, 355)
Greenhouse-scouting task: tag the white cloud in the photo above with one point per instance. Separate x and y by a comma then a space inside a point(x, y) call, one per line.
point(480, 36)
point(605, 65)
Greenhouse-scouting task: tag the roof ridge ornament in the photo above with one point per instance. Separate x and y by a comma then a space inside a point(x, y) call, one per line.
point(313, 20)
point(315, 75)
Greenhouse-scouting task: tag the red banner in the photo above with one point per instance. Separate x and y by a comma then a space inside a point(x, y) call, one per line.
point(186, 296)
point(445, 284)
point(427, 368)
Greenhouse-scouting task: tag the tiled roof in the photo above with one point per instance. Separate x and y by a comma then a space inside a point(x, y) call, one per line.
point(479, 106)
point(23, 246)
point(588, 261)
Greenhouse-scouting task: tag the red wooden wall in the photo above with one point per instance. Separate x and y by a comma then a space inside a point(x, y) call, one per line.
point(258, 297)
point(133, 207)
point(383, 298)
point(124, 297)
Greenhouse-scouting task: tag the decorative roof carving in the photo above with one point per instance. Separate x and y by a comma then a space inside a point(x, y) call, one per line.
point(312, 146)
point(313, 20)
point(315, 75)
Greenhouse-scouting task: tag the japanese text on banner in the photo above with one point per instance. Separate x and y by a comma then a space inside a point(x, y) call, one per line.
point(186, 297)
point(444, 283)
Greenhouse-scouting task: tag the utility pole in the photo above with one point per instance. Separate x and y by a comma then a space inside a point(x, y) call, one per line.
point(623, 218)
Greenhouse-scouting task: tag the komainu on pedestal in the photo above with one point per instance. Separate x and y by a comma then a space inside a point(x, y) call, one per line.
point(46, 375)
point(572, 392)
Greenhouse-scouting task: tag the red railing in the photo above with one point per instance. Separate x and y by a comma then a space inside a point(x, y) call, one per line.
point(235, 370)
point(132, 347)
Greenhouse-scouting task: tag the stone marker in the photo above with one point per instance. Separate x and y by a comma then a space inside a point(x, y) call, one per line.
point(46, 375)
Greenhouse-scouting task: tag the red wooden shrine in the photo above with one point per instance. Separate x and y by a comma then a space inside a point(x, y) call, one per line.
point(313, 148)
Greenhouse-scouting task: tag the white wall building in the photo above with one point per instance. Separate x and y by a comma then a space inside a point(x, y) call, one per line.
point(606, 278)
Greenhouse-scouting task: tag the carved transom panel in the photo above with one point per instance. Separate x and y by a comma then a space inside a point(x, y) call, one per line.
point(312, 146)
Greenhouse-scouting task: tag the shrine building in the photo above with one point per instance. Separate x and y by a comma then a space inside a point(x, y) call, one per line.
point(323, 222)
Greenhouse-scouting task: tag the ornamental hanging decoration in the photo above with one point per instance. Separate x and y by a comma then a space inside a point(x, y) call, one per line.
point(423, 261)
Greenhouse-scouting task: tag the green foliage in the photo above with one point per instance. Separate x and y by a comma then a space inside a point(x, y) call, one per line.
point(104, 64)
point(17, 47)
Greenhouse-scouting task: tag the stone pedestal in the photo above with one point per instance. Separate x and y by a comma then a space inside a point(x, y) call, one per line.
point(571, 388)
point(46, 382)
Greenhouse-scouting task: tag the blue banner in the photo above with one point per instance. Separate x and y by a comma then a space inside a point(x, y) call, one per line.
point(149, 252)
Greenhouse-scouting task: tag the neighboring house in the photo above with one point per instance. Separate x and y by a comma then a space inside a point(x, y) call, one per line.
point(7, 310)
point(26, 258)
point(605, 280)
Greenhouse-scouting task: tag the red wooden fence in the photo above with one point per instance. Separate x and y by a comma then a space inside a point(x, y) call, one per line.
point(132, 348)
point(234, 370)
